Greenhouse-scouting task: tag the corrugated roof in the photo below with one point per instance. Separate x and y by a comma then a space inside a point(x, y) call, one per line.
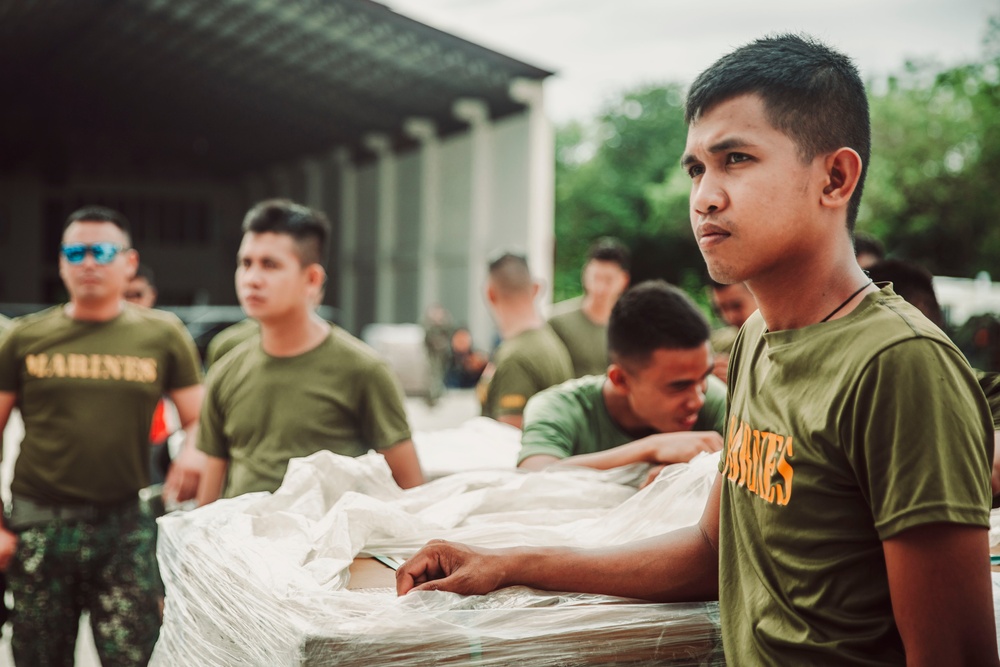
point(229, 84)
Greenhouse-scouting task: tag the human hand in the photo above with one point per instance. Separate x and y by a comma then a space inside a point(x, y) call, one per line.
point(653, 473)
point(452, 567)
point(8, 547)
point(184, 474)
point(683, 446)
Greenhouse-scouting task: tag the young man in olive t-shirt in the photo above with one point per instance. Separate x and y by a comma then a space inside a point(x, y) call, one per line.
point(530, 357)
point(301, 385)
point(86, 377)
point(582, 323)
point(849, 522)
point(658, 403)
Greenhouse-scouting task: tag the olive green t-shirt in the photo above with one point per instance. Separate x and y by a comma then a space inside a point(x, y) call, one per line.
point(990, 384)
point(572, 418)
point(522, 366)
point(586, 342)
point(841, 435)
point(86, 392)
point(4, 323)
point(260, 411)
point(228, 338)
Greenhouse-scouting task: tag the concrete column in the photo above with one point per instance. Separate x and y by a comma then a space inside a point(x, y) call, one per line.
point(348, 237)
point(385, 283)
point(424, 131)
point(541, 183)
point(313, 171)
point(477, 115)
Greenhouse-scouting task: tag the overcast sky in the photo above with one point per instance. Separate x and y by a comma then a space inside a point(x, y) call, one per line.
point(600, 47)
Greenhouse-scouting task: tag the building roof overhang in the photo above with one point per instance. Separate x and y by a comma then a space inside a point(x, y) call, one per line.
point(227, 86)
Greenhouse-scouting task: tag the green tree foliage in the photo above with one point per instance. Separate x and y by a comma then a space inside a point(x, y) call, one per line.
point(932, 187)
point(618, 178)
point(932, 193)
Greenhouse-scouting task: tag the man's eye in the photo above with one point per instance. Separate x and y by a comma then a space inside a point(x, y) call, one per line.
point(734, 158)
point(696, 170)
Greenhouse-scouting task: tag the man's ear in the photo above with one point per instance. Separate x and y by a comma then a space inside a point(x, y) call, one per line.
point(132, 259)
point(618, 378)
point(843, 171)
point(316, 276)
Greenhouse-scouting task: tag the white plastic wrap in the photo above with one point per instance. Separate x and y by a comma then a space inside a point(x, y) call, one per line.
point(261, 579)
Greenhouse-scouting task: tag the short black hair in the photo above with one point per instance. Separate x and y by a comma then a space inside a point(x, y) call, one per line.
point(610, 249)
point(810, 92)
point(866, 243)
point(654, 315)
point(143, 271)
point(911, 281)
point(308, 227)
point(101, 214)
point(510, 273)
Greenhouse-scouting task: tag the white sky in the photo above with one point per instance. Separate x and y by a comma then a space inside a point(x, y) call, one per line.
point(601, 47)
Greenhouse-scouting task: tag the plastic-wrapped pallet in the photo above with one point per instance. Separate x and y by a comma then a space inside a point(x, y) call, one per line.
point(262, 579)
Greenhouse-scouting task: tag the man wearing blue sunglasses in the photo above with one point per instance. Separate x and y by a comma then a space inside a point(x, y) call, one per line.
point(87, 376)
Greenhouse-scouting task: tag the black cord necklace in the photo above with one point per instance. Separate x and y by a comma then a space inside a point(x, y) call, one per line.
point(847, 301)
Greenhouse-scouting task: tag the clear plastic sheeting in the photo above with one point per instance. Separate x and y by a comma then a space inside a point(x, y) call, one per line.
point(262, 579)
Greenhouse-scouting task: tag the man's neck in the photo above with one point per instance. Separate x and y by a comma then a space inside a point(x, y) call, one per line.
point(518, 320)
point(788, 301)
point(596, 311)
point(620, 412)
point(94, 311)
point(293, 335)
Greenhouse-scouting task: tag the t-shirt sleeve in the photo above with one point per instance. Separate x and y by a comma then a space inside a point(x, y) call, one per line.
point(712, 416)
point(510, 388)
point(185, 367)
point(381, 413)
point(921, 445)
point(9, 380)
point(211, 437)
point(551, 425)
point(990, 383)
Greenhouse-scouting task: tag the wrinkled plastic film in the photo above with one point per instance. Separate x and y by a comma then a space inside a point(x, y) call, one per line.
point(262, 579)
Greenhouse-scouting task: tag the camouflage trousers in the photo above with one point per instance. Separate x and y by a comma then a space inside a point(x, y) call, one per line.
point(106, 566)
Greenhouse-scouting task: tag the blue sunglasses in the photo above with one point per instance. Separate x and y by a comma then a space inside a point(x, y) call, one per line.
point(104, 253)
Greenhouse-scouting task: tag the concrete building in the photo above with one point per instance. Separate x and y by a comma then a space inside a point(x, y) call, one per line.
point(428, 152)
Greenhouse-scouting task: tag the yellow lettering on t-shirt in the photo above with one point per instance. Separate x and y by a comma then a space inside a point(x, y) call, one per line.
point(58, 366)
point(147, 370)
point(759, 461)
point(79, 366)
point(93, 367)
point(112, 367)
point(37, 365)
point(511, 402)
point(786, 472)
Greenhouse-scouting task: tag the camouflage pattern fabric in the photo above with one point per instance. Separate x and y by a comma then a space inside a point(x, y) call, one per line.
point(106, 566)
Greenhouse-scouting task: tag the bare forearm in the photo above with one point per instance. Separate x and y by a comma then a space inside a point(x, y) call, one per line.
point(633, 452)
point(678, 567)
point(212, 479)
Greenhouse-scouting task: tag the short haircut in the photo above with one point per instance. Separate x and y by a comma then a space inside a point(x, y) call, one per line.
point(911, 281)
point(654, 315)
point(143, 271)
point(610, 249)
point(866, 243)
point(810, 92)
point(101, 214)
point(510, 274)
point(308, 227)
